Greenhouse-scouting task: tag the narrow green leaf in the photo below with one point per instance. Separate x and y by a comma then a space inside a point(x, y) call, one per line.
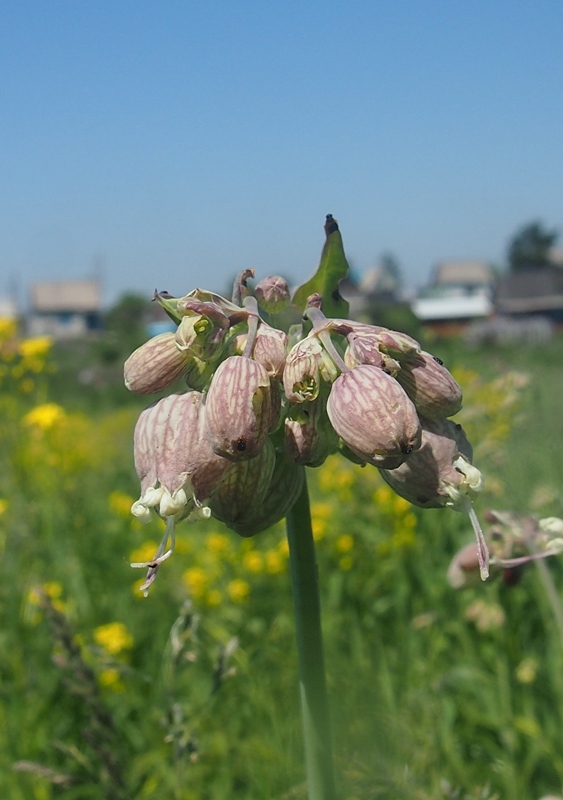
point(332, 269)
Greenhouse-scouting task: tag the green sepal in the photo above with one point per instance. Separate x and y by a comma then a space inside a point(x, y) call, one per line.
point(333, 267)
point(170, 305)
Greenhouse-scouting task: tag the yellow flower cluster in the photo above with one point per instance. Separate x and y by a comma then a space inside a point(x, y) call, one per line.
point(113, 638)
point(45, 416)
point(53, 590)
point(490, 407)
point(21, 360)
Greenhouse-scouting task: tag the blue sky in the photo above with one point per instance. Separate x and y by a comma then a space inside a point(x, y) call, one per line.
point(176, 143)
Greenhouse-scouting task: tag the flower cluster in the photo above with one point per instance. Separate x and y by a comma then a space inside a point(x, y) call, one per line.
point(261, 405)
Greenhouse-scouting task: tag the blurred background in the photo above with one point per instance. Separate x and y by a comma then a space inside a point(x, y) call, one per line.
point(170, 146)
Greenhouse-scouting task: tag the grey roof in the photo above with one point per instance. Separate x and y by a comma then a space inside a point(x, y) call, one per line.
point(463, 272)
point(530, 290)
point(66, 296)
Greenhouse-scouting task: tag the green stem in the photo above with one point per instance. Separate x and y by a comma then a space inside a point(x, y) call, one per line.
point(312, 682)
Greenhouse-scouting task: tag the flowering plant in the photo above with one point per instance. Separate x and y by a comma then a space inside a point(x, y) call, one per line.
point(276, 384)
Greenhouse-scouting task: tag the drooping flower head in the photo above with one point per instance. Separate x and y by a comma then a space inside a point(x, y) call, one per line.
point(260, 404)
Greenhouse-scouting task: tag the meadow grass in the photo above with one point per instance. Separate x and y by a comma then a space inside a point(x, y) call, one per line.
point(192, 693)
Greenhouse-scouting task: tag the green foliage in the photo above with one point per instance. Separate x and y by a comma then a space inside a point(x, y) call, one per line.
point(332, 269)
point(530, 247)
point(396, 316)
point(104, 694)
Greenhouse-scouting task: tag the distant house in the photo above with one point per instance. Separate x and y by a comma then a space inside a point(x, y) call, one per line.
point(65, 309)
point(533, 292)
point(461, 291)
point(376, 285)
point(8, 308)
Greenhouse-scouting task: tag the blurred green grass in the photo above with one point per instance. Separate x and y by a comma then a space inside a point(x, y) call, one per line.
point(434, 693)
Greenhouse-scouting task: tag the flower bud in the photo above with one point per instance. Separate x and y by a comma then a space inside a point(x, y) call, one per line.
point(398, 345)
point(394, 343)
point(309, 436)
point(270, 347)
point(244, 487)
point(307, 364)
point(173, 457)
point(285, 487)
point(239, 408)
point(272, 294)
point(440, 472)
point(154, 365)
point(364, 349)
point(430, 386)
point(373, 416)
point(463, 571)
point(270, 350)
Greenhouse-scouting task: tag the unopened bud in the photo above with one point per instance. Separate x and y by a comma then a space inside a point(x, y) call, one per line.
point(239, 408)
point(463, 571)
point(373, 416)
point(154, 365)
point(285, 487)
point(398, 345)
point(272, 294)
point(440, 472)
point(270, 348)
point(244, 487)
point(364, 349)
point(174, 460)
point(430, 386)
point(309, 435)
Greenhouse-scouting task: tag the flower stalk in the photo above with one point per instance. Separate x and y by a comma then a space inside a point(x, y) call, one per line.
point(312, 681)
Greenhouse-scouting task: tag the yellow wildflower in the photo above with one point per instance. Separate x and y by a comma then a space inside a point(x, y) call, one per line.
point(111, 679)
point(253, 561)
point(319, 528)
point(402, 539)
point(53, 590)
point(274, 562)
point(345, 543)
point(383, 495)
point(7, 328)
point(409, 521)
point(3, 507)
point(36, 347)
point(526, 670)
point(144, 553)
point(322, 510)
point(195, 580)
point(400, 505)
point(217, 542)
point(120, 504)
point(238, 590)
point(283, 547)
point(137, 587)
point(214, 597)
point(113, 637)
point(44, 416)
point(345, 563)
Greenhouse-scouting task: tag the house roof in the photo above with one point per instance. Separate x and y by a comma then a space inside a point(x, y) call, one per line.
point(450, 308)
point(531, 290)
point(66, 296)
point(463, 272)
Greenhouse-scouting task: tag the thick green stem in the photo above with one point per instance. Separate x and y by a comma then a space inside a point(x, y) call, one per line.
point(314, 703)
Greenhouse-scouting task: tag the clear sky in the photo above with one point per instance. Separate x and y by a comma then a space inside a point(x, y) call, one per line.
point(174, 143)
